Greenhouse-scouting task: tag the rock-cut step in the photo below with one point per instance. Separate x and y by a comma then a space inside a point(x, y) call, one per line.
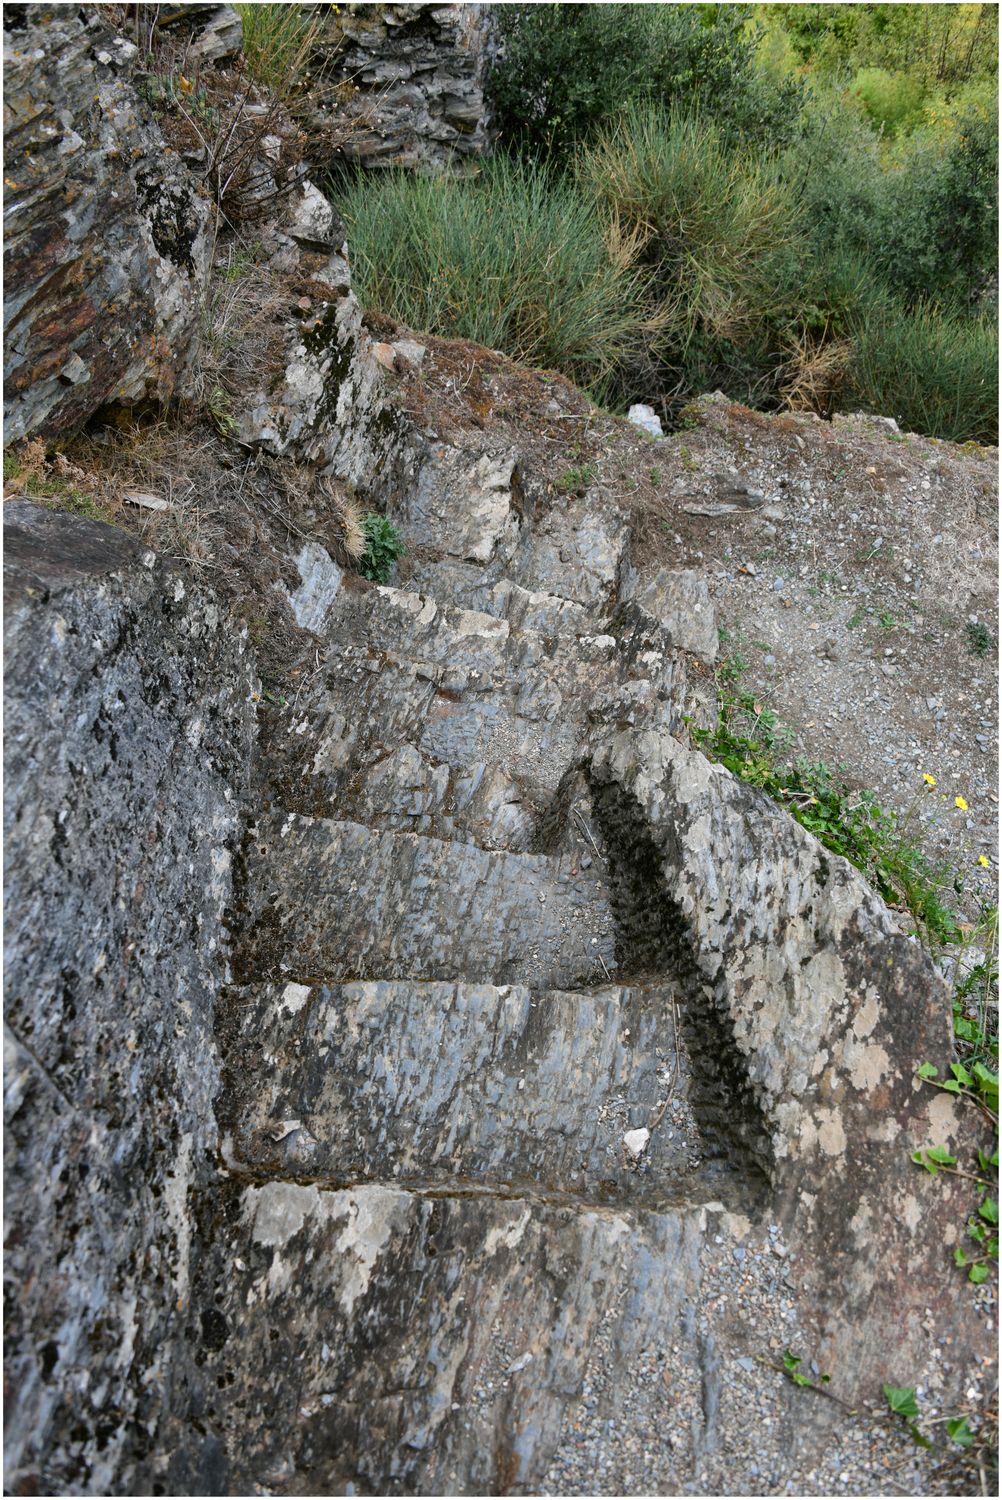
point(494, 1087)
point(335, 900)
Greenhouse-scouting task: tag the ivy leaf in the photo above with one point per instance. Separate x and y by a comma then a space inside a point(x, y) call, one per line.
point(978, 1273)
point(901, 1399)
point(790, 1361)
point(960, 1432)
point(961, 1074)
point(921, 1159)
point(928, 1071)
point(941, 1156)
point(922, 1441)
point(989, 1210)
point(951, 1086)
point(959, 1258)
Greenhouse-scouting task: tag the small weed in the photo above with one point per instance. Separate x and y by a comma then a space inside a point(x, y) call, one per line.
point(732, 667)
point(241, 262)
point(857, 619)
point(56, 484)
point(979, 638)
point(576, 479)
point(887, 620)
point(655, 475)
point(221, 412)
point(383, 545)
point(688, 462)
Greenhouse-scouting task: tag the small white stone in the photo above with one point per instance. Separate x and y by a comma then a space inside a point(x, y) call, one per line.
point(645, 417)
point(635, 1142)
point(148, 502)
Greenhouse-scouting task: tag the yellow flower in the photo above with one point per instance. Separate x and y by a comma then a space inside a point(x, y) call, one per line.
point(983, 860)
point(959, 802)
point(929, 780)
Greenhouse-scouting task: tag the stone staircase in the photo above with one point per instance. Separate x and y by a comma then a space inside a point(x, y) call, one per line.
point(523, 1038)
point(457, 1095)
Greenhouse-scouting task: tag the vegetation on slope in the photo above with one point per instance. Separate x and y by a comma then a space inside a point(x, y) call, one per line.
point(798, 208)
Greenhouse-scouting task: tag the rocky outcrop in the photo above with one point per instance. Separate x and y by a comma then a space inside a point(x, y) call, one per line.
point(415, 76)
point(128, 720)
point(535, 1030)
point(438, 1078)
point(106, 242)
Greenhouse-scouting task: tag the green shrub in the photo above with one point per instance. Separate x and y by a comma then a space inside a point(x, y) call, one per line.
point(893, 101)
point(517, 259)
point(718, 230)
point(937, 374)
point(383, 545)
point(568, 69)
point(924, 217)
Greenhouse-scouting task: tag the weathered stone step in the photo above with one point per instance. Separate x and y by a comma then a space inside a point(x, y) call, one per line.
point(483, 590)
point(405, 790)
point(405, 1344)
point(338, 901)
point(473, 1083)
point(465, 689)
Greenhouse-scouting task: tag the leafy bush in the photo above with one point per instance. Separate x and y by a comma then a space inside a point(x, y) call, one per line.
point(383, 545)
point(517, 259)
point(566, 70)
point(925, 217)
point(893, 101)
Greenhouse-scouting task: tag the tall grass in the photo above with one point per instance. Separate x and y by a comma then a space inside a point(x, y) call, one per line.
point(668, 263)
point(936, 373)
point(516, 259)
point(278, 44)
point(718, 229)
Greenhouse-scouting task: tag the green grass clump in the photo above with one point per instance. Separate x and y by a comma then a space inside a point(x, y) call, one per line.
point(979, 638)
point(517, 259)
point(846, 821)
point(936, 373)
point(383, 545)
point(278, 44)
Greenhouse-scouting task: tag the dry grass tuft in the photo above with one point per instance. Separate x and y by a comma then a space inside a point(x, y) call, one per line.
point(815, 372)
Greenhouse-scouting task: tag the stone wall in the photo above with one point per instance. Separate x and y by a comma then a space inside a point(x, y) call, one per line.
point(128, 731)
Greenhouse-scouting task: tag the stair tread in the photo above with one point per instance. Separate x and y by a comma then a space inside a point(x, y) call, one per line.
point(444, 1081)
point(337, 899)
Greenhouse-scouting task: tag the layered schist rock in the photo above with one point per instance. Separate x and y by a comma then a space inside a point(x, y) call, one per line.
point(106, 244)
point(415, 76)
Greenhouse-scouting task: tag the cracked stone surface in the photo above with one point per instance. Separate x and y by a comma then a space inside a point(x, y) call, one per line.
point(106, 243)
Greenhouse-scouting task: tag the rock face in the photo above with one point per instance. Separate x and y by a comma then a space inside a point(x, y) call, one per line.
point(419, 73)
point(529, 1008)
point(106, 243)
point(128, 730)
